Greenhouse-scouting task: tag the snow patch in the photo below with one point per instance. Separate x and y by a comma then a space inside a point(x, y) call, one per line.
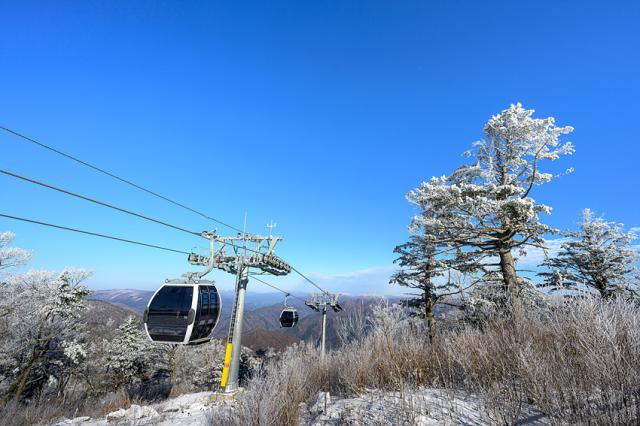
point(422, 407)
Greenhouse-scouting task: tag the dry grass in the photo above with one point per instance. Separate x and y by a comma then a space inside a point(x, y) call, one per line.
point(275, 396)
point(577, 364)
point(49, 411)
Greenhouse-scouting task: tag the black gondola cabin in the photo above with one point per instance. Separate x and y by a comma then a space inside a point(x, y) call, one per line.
point(182, 312)
point(289, 317)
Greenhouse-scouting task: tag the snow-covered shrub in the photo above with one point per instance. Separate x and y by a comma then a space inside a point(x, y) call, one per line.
point(489, 300)
point(196, 369)
point(574, 362)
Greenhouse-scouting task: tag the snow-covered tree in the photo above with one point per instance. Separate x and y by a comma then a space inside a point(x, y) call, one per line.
point(598, 257)
point(40, 331)
point(485, 209)
point(421, 263)
point(11, 256)
point(128, 354)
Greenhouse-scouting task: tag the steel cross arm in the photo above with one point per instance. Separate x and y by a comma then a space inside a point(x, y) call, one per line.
point(261, 257)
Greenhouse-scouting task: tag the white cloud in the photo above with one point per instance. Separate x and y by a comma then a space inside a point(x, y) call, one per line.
point(368, 281)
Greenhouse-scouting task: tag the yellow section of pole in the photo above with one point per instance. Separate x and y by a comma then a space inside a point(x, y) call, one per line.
point(225, 367)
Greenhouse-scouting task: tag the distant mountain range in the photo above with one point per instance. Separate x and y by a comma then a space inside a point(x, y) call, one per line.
point(135, 300)
point(261, 326)
point(138, 299)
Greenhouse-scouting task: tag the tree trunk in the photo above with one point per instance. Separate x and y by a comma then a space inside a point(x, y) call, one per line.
point(431, 322)
point(601, 286)
point(173, 366)
point(508, 269)
point(18, 384)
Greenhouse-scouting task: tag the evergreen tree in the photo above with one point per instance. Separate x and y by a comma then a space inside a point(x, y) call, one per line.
point(484, 209)
point(128, 353)
point(597, 258)
point(420, 266)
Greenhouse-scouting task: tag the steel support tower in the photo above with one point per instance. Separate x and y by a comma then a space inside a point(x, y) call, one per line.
point(237, 255)
point(319, 302)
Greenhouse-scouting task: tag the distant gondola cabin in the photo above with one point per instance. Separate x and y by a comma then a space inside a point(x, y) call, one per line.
point(289, 317)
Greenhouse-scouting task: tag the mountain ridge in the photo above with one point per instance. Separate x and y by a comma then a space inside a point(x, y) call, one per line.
point(261, 325)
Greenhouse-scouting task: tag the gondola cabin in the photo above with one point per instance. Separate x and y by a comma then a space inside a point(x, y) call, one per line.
point(289, 317)
point(182, 312)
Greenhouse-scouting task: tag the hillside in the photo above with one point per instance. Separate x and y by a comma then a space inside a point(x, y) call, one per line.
point(103, 318)
point(264, 318)
point(260, 340)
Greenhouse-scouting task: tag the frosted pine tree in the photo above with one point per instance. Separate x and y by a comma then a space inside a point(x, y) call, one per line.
point(421, 265)
point(598, 258)
point(485, 209)
point(127, 353)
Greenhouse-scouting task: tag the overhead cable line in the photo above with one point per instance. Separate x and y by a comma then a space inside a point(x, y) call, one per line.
point(310, 281)
point(276, 288)
point(111, 206)
point(128, 182)
point(95, 234)
point(73, 194)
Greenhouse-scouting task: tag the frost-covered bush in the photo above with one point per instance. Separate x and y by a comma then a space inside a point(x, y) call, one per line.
point(197, 368)
point(489, 300)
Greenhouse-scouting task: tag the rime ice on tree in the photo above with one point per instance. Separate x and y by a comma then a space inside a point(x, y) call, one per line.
point(485, 209)
point(597, 258)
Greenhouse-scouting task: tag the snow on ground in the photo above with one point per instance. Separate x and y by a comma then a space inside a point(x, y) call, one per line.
point(189, 409)
point(424, 407)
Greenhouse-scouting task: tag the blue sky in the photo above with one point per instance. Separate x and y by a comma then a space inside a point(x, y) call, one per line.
point(318, 115)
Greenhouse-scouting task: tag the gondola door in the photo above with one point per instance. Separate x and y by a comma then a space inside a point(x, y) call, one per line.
point(207, 314)
point(200, 325)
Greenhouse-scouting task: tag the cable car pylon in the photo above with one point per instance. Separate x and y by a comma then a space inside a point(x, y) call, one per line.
point(319, 302)
point(237, 255)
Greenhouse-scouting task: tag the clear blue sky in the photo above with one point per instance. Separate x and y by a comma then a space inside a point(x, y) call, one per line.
point(318, 115)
